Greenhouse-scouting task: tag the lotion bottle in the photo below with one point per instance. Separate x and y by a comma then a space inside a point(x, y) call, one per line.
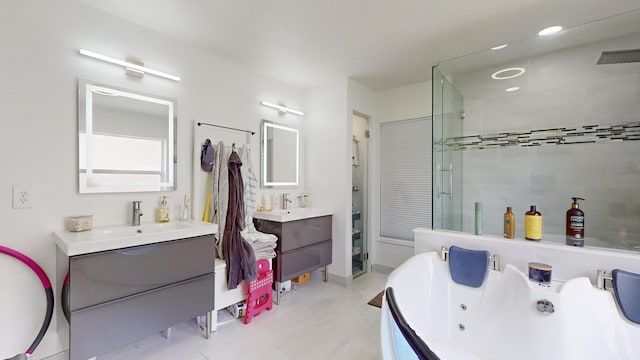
point(533, 224)
point(575, 224)
point(509, 224)
point(163, 210)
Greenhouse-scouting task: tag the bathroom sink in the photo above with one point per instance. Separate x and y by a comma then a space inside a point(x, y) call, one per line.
point(285, 215)
point(119, 236)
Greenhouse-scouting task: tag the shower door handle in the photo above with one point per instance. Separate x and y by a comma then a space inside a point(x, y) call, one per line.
point(440, 180)
point(451, 181)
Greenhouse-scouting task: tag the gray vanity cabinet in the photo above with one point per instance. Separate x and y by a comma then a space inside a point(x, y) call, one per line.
point(303, 245)
point(118, 296)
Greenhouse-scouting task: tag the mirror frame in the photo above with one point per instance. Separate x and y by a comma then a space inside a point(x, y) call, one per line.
point(264, 165)
point(85, 111)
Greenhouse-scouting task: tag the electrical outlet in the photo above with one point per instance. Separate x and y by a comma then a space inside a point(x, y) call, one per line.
point(22, 197)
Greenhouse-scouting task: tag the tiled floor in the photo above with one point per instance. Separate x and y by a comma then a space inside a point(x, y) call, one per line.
point(316, 321)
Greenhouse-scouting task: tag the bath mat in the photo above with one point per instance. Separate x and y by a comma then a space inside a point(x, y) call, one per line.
point(468, 267)
point(626, 286)
point(377, 300)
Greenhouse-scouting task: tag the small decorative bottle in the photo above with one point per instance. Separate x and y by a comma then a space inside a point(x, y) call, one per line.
point(163, 210)
point(509, 224)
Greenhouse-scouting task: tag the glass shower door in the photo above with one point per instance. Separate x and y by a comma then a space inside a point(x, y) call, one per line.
point(448, 114)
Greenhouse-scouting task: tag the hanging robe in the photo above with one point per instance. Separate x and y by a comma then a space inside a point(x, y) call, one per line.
point(241, 260)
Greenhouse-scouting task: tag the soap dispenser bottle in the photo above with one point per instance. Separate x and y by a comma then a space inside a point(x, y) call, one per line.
point(575, 224)
point(163, 210)
point(533, 224)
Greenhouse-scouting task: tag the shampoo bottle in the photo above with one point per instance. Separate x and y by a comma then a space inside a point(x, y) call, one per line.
point(575, 224)
point(533, 224)
point(509, 224)
point(163, 210)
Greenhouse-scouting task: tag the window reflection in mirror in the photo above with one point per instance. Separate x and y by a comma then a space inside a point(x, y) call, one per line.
point(126, 140)
point(280, 155)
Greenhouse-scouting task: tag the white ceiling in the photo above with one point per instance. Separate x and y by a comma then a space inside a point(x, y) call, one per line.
point(379, 43)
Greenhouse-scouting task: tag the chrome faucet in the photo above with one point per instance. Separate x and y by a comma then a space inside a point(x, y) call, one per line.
point(285, 200)
point(136, 213)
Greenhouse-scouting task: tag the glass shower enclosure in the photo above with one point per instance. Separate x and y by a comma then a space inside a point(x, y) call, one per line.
point(448, 114)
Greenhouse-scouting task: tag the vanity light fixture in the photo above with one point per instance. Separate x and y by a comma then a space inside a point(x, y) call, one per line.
point(515, 88)
point(499, 47)
point(550, 30)
point(511, 73)
point(132, 69)
point(281, 108)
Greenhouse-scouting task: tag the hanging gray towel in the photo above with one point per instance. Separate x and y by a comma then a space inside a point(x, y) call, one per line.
point(207, 156)
point(240, 257)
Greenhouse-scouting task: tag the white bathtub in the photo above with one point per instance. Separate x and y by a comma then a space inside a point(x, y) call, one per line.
point(501, 320)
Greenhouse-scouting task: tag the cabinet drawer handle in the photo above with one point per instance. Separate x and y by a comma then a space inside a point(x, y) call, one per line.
point(138, 250)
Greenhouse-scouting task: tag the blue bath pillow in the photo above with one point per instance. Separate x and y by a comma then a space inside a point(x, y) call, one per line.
point(468, 267)
point(626, 286)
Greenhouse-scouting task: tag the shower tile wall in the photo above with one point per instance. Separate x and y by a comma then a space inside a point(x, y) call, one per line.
point(562, 88)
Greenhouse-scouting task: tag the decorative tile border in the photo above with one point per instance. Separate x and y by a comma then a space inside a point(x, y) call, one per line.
point(545, 137)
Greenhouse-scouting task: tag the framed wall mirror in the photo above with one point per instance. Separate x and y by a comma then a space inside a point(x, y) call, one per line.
point(126, 140)
point(280, 153)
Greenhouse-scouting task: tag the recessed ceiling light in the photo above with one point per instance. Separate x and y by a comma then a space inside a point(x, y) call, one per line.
point(499, 47)
point(550, 30)
point(508, 73)
point(515, 88)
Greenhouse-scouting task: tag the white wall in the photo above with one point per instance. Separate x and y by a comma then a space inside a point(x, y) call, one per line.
point(404, 102)
point(39, 136)
point(328, 170)
point(401, 103)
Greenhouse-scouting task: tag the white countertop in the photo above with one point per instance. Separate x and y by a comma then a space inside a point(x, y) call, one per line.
point(121, 236)
point(285, 215)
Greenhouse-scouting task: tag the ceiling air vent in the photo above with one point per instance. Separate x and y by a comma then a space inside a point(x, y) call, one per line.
point(619, 57)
